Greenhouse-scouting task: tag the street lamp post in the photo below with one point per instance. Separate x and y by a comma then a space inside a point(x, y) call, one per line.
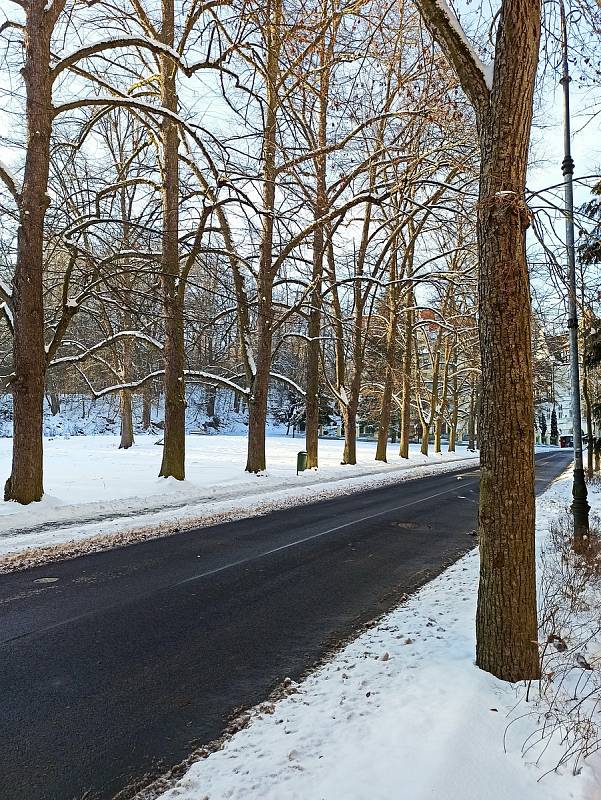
point(580, 506)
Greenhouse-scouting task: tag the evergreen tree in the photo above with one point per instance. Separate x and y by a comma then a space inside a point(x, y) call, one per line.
point(589, 248)
point(543, 424)
point(554, 428)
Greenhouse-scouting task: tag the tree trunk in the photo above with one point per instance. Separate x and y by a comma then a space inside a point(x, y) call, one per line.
point(321, 202)
point(211, 394)
point(425, 438)
point(405, 414)
point(443, 403)
point(127, 425)
point(391, 344)
point(384, 424)
point(257, 416)
point(125, 406)
point(55, 403)
point(506, 622)
point(174, 440)
point(438, 434)
point(25, 484)
point(312, 380)
point(589, 423)
point(471, 419)
point(506, 626)
point(349, 417)
point(146, 406)
point(455, 411)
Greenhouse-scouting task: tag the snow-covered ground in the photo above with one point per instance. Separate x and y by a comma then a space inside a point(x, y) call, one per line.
point(401, 712)
point(94, 488)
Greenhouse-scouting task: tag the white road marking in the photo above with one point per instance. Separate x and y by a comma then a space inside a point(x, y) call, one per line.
point(313, 536)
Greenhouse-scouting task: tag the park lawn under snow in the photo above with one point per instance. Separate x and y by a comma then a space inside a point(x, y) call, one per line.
point(400, 713)
point(93, 485)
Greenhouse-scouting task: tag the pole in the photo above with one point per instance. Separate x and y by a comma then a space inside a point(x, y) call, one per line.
point(580, 506)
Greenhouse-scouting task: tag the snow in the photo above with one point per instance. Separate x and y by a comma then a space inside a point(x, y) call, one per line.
point(6, 288)
point(92, 487)
point(119, 42)
point(6, 309)
point(401, 712)
point(486, 69)
point(9, 177)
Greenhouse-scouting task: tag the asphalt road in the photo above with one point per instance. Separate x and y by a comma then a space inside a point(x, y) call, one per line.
point(117, 670)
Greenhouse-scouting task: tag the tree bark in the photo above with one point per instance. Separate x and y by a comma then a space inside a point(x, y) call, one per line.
point(257, 417)
point(257, 406)
point(391, 345)
point(25, 484)
point(211, 400)
point(589, 423)
point(174, 441)
point(455, 400)
point(349, 418)
point(146, 406)
point(127, 426)
point(425, 438)
point(321, 204)
point(55, 403)
point(443, 404)
point(506, 623)
point(405, 422)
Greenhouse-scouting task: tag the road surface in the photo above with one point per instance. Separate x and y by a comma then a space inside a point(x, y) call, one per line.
point(115, 670)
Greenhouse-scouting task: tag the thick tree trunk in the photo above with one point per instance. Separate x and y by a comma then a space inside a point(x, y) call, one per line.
point(125, 405)
point(405, 414)
point(405, 422)
point(321, 202)
point(506, 623)
point(257, 416)
point(391, 345)
point(425, 438)
point(471, 419)
point(455, 412)
point(384, 422)
point(506, 626)
point(146, 406)
point(313, 348)
point(443, 404)
point(211, 400)
point(55, 403)
point(174, 441)
point(127, 425)
point(25, 484)
point(438, 434)
point(349, 417)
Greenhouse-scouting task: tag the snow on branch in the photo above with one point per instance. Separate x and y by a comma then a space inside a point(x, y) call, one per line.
point(6, 291)
point(289, 382)
point(112, 44)
point(9, 180)
point(474, 76)
point(7, 312)
point(105, 343)
point(190, 374)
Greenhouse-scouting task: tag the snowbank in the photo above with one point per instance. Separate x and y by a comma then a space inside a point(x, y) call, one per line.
point(94, 488)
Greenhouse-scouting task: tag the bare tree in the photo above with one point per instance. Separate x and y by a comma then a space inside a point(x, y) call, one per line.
point(506, 624)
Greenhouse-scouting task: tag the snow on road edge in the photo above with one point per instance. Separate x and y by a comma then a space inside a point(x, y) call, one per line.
point(28, 549)
point(400, 712)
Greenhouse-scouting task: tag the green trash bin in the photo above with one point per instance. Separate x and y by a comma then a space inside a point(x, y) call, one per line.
point(301, 461)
